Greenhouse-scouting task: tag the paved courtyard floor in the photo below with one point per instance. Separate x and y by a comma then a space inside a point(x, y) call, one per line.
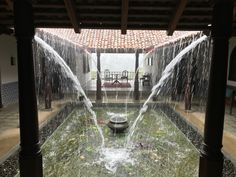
point(9, 125)
point(196, 118)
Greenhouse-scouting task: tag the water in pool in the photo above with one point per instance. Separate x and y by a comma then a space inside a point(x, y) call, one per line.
point(158, 148)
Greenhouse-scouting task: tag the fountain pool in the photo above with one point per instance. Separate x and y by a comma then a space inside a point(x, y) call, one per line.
point(158, 149)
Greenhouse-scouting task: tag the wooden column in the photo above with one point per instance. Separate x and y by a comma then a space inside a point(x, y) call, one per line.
point(48, 92)
point(189, 87)
point(1, 105)
point(211, 158)
point(30, 158)
point(47, 84)
point(136, 83)
point(99, 88)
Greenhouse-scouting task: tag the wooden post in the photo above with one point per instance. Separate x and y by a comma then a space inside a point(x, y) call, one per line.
point(47, 85)
point(99, 88)
point(48, 93)
point(30, 157)
point(211, 157)
point(190, 83)
point(1, 105)
point(187, 95)
point(136, 82)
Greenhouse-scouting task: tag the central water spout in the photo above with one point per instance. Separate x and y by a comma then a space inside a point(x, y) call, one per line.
point(118, 124)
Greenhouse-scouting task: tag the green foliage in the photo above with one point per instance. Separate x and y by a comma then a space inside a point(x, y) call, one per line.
point(160, 148)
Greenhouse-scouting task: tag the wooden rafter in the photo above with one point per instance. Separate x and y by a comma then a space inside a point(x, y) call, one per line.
point(124, 16)
point(9, 4)
point(234, 12)
point(176, 16)
point(4, 30)
point(71, 11)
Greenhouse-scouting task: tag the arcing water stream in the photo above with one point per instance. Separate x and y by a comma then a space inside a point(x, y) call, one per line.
point(65, 69)
point(114, 156)
point(157, 88)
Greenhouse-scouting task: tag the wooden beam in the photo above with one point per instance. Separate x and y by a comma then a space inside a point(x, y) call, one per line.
point(234, 12)
point(9, 4)
point(50, 14)
point(48, 6)
point(177, 14)
point(71, 11)
point(124, 16)
point(5, 30)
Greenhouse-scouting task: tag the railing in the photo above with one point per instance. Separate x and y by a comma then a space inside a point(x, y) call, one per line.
point(113, 74)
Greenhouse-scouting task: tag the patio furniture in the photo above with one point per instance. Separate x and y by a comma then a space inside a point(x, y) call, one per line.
point(146, 79)
point(107, 75)
point(116, 79)
point(124, 75)
point(230, 98)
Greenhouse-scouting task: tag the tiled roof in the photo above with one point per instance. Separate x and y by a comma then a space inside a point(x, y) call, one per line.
point(113, 39)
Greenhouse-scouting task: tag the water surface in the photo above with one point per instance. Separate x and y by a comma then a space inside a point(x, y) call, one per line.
point(159, 148)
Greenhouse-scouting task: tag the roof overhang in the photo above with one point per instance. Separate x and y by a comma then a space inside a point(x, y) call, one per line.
point(169, 15)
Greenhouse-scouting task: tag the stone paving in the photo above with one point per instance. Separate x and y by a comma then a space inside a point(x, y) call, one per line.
point(196, 118)
point(9, 125)
point(9, 117)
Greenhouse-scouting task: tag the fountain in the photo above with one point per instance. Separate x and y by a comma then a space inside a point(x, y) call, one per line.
point(116, 152)
point(52, 54)
point(157, 88)
point(118, 124)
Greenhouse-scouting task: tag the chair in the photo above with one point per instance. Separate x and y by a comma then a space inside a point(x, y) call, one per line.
point(124, 75)
point(146, 79)
point(230, 98)
point(107, 75)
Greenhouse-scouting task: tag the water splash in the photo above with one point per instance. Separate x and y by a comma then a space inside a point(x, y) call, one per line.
point(113, 157)
point(157, 88)
point(100, 76)
point(66, 71)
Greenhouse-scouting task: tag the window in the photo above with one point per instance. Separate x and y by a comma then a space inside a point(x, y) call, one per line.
point(150, 61)
point(86, 67)
point(232, 66)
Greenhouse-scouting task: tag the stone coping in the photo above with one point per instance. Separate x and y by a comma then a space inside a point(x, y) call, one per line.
point(9, 167)
point(229, 170)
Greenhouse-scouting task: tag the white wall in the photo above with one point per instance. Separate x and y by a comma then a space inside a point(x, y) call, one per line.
point(8, 49)
point(116, 61)
point(232, 45)
point(151, 69)
point(83, 77)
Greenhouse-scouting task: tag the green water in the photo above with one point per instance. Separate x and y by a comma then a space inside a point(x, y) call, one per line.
point(160, 149)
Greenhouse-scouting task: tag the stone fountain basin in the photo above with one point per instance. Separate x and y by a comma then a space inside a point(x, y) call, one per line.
point(118, 124)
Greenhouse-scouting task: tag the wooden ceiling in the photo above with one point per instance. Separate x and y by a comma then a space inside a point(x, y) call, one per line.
point(169, 15)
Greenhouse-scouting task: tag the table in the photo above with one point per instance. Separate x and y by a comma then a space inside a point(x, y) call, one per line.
point(116, 79)
point(146, 78)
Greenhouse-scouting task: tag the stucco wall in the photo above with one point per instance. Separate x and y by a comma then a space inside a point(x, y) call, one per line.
point(9, 75)
point(232, 45)
point(8, 50)
point(72, 54)
point(83, 77)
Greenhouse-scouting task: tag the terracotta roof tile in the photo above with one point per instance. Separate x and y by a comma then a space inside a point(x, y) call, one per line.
point(113, 39)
